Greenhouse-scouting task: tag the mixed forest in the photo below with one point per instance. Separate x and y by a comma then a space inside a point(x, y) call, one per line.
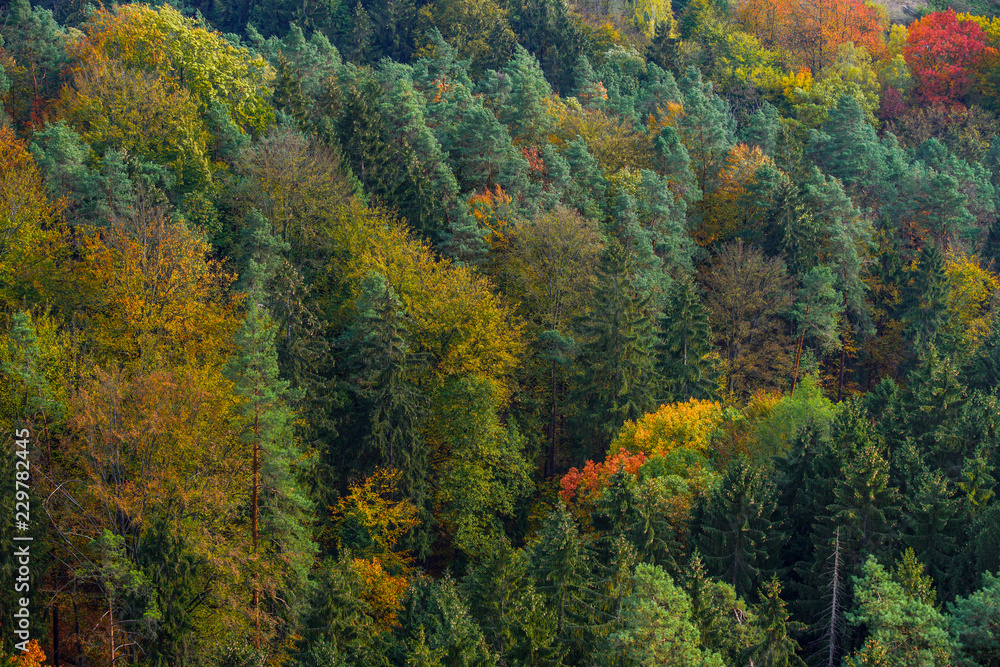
point(501, 332)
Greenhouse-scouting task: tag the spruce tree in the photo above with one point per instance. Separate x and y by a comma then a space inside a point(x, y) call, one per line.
point(685, 362)
point(738, 531)
point(776, 647)
point(502, 597)
point(381, 369)
point(924, 304)
point(561, 564)
point(617, 357)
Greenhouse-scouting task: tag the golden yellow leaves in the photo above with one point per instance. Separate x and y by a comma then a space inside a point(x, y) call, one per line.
point(141, 113)
point(161, 40)
point(973, 296)
point(369, 507)
point(161, 296)
point(25, 210)
point(455, 318)
point(677, 425)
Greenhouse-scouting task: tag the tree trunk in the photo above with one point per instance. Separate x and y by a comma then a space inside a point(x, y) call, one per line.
point(256, 473)
point(552, 440)
point(798, 350)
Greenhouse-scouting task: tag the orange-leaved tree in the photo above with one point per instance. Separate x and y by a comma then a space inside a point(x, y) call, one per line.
point(809, 31)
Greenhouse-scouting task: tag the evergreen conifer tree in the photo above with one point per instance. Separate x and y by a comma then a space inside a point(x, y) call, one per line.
point(685, 362)
point(381, 369)
point(617, 357)
point(738, 532)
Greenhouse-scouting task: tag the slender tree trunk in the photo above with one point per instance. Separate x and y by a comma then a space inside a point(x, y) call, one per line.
point(834, 604)
point(256, 473)
point(798, 350)
point(111, 629)
point(552, 434)
point(55, 635)
point(840, 376)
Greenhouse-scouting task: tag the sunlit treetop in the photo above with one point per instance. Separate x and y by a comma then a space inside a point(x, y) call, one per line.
point(942, 52)
point(213, 70)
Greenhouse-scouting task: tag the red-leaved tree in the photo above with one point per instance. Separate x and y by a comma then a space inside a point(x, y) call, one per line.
point(942, 53)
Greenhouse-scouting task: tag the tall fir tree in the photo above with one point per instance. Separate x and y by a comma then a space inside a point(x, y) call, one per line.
point(381, 368)
point(924, 306)
point(739, 533)
point(685, 362)
point(617, 356)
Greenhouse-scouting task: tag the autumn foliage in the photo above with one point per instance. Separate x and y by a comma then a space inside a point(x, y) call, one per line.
point(809, 31)
point(588, 483)
point(942, 53)
point(689, 424)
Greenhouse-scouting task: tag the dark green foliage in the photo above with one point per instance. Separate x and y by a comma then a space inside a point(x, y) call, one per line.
point(931, 518)
point(617, 356)
point(706, 128)
point(738, 531)
point(777, 647)
point(546, 30)
point(725, 624)
point(982, 369)
point(923, 308)
point(846, 147)
point(35, 40)
point(180, 589)
point(380, 369)
point(518, 627)
point(685, 361)
point(435, 614)
point(338, 623)
point(560, 562)
point(656, 626)
point(975, 625)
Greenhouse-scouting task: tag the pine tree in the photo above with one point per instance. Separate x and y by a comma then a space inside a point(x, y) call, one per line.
point(915, 632)
point(847, 148)
point(725, 625)
point(865, 503)
point(656, 626)
point(706, 128)
point(279, 508)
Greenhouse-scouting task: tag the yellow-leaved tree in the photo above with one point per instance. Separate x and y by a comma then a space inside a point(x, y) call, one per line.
point(676, 425)
point(161, 40)
point(25, 212)
point(973, 297)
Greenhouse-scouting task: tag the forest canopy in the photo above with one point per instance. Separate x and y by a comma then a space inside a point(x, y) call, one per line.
point(514, 332)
